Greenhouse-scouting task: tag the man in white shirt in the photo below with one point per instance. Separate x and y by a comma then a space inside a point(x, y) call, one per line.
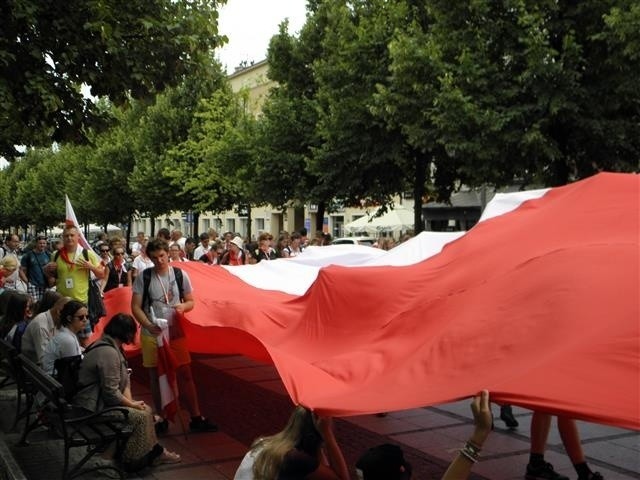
point(138, 244)
point(203, 248)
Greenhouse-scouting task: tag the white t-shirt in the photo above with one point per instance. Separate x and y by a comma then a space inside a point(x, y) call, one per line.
point(245, 470)
point(140, 263)
point(200, 251)
point(63, 344)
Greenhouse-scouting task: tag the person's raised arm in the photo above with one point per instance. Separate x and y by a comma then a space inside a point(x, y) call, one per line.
point(468, 455)
point(337, 468)
point(103, 280)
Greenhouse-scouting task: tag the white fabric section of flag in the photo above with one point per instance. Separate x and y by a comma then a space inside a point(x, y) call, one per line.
point(296, 275)
point(166, 377)
point(71, 218)
point(503, 203)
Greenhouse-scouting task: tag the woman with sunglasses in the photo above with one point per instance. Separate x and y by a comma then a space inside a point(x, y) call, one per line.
point(73, 319)
point(116, 272)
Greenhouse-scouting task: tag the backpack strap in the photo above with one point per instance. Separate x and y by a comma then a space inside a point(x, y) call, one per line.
point(179, 281)
point(146, 281)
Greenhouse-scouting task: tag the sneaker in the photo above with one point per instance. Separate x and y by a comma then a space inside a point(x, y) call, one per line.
point(594, 476)
point(544, 471)
point(167, 457)
point(201, 424)
point(506, 415)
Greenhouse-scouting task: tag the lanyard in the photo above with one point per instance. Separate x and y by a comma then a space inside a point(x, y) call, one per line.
point(164, 290)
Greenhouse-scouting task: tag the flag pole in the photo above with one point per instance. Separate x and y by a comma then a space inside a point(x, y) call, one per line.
point(179, 412)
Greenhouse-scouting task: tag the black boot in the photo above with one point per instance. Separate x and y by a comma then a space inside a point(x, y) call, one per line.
point(506, 415)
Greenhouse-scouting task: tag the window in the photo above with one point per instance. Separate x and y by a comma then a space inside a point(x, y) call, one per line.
point(231, 225)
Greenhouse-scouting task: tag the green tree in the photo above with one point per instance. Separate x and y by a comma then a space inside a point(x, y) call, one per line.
point(287, 128)
point(158, 176)
point(121, 49)
point(106, 190)
point(361, 159)
point(40, 193)
point(221, 146)
point(527, 90)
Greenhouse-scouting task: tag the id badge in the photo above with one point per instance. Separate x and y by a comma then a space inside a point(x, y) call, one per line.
point(68, 282)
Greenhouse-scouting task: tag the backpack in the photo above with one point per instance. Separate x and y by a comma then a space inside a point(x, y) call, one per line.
point(66, 371)
point(146, 280)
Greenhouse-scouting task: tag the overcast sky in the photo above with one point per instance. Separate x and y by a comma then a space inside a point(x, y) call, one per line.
point(250, 24)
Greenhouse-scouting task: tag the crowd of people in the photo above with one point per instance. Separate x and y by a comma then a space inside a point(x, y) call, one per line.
point(44, 293)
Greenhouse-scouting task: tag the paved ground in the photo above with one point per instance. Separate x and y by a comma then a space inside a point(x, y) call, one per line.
point(247, 400)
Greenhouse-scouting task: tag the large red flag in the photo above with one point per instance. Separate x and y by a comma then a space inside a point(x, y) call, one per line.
point(540, 305)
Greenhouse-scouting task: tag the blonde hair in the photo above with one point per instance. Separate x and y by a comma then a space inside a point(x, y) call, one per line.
point(9, 263)
point(272, 450)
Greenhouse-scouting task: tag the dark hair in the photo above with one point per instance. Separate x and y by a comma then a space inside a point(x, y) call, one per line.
point(69, 310)
point(164, 233)
point(49, 298)
point(303, 232)
point(310, 439)
point(122, 327)
point(189, 240)
point(41, 237)
point(204, 236)
point(4, 300)
point(16, 306)
point(156, 244)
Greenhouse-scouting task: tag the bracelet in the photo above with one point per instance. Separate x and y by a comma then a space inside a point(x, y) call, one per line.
point(473, 447)
point(470, 452)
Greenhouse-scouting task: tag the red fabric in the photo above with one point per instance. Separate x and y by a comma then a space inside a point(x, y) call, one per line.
point(167, 367)
point(540, 305)
point(117, 300)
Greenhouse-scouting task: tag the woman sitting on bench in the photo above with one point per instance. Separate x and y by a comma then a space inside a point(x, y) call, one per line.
point(104, 382)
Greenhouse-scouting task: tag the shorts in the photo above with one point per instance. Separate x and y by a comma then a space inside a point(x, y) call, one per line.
point(150, 351)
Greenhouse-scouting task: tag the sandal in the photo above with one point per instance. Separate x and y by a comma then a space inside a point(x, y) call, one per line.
point(167, 457)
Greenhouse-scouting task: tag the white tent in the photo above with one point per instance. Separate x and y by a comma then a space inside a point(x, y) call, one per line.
point(397, 220)
point(93, 228)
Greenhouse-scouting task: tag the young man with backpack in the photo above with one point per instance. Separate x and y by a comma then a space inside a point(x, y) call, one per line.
point(160, 293)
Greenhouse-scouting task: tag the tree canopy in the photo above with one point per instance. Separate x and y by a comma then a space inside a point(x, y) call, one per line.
point(118, 48)
point(372, 99)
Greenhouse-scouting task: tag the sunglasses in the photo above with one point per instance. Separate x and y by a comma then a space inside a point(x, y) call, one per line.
point(81, 317)
point(104, 251)
point(119, 254)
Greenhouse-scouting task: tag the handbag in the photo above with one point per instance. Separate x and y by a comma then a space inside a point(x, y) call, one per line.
point(96, 303)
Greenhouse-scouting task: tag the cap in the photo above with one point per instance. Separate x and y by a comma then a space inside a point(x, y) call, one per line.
point(384, 462)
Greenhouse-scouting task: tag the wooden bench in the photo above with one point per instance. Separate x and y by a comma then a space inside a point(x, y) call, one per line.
point(93, 432)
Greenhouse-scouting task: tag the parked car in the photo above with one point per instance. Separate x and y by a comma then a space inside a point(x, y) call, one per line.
point(367, 241)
